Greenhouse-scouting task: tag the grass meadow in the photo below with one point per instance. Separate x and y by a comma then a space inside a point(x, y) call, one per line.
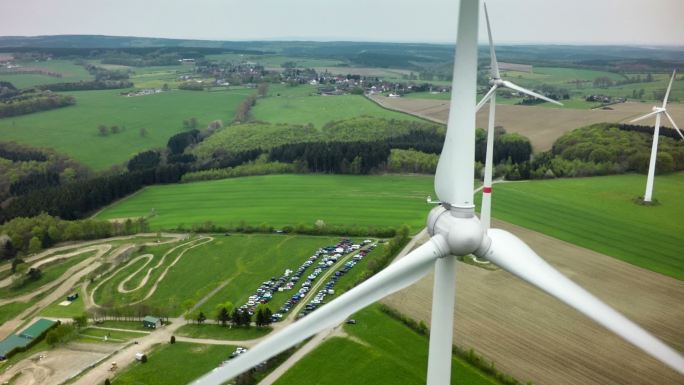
point(384, 352)
point(162, 366)
point(296, 105)
point(562, 78)
point(70, 73)
point(279, 200)
point(74, 130)
point(597, 213)
point(600, 214)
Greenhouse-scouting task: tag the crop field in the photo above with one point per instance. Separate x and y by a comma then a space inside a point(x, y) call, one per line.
point(295, 105)
point(70, 73)
point(74, 130)
point(163, 363)
point(392, 354)
point(534, 337)
point(279, 200)
point(540, 124)
point(599, 213)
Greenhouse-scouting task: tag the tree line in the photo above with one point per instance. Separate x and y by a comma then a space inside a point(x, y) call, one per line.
point(34, 103)
point(29, 235)
point(85, 85)
point(77, 199)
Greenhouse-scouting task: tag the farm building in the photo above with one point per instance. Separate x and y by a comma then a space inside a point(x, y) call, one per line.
point(151, 322)
point(37, 329)
point(11, 343)
point(25, 339)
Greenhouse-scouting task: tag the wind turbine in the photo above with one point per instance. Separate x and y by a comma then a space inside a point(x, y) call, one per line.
point(657, 111)
point(455, 230)
point(496, 82)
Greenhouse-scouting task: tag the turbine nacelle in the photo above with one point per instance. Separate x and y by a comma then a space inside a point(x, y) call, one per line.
point(461, 228)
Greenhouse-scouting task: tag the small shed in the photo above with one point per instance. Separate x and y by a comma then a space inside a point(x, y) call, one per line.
point(151, 322)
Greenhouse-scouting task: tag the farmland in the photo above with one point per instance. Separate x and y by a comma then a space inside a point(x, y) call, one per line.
point(540, 124)
point(73, 130)
point(605, 203)
point(295, 105)
point(392, 354)
point(69, 72)
point(599, 214)
point(359, 200)
point(534, 337)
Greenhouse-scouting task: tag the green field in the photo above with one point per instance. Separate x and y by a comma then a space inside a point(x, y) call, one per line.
point(70, 73)
point(76, 308)
point(275, 61)
point(94, 335)
point(596, 213)
point(562, 78)
point(164, 363)
point(599, 213)
point(73, 130)
point(216, 331)
point(295, 105)
point(393, 354)
point(383, 201)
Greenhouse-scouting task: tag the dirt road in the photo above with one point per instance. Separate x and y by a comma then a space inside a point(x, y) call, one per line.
point(536, 338)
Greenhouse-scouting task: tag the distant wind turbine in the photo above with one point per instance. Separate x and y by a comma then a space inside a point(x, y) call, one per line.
point(455, 231)
point(496, 82)
point(657, 111)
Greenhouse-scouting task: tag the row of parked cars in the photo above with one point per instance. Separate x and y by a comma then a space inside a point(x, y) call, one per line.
point(322, 259)
point(319, 299)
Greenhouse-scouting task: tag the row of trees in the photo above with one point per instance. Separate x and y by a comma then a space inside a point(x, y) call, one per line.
point(29, 235)
point(242, 112)
point(85, 85)
point(334, 157)
point(35, 103)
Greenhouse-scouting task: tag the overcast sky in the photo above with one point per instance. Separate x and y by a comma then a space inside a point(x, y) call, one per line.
point(636, 22)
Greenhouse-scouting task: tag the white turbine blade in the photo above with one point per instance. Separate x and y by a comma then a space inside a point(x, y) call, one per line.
point(454, 180)
point(674, 124)
point(397, 276)
point(492, 53)
point(642, 117)
point(487, 96)
point(669, 86)
point(514, 256)
point(516, 87)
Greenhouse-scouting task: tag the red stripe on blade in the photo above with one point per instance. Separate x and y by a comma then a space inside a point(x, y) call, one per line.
point(487, 190)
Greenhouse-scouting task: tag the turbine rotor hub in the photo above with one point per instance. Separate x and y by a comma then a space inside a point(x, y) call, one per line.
point(461, 229)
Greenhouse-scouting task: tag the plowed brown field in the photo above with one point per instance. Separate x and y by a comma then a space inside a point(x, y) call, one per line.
point(543, 125)
point(536, 338)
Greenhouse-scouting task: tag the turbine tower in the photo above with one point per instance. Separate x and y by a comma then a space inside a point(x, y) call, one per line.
point(657, 111)
point(455, 230)
point(496, 82)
